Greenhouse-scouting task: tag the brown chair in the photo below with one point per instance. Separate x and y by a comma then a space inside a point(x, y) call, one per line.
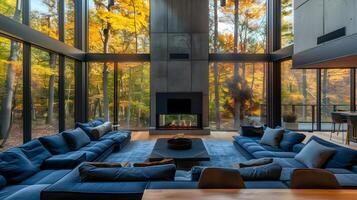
point(220, 178)
point(339, 119)
point(313, 179)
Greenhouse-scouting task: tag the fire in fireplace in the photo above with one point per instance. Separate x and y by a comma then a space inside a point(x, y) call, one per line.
point(179, 111)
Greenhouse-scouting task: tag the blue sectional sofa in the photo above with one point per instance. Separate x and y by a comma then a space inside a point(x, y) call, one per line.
point(28, 169)
point(343, 163)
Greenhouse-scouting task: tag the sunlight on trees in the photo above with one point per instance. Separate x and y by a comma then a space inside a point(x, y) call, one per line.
point(287, 23)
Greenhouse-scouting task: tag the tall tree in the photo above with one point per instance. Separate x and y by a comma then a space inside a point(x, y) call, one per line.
point(6, 105)
point(215, 68)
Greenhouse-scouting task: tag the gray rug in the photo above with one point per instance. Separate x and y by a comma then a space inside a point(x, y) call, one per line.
point(222, 153)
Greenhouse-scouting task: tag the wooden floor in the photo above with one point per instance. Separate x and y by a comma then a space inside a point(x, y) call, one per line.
point(227, 135)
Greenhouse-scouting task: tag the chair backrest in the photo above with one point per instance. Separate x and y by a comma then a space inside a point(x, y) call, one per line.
point(220, 178)
point(313, 179)
point(338, 118)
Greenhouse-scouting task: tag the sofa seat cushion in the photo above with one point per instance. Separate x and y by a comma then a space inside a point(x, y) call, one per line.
point(339, 171)
point(270, 154)
point(56, 144)
point(98, 147)
point(172, 185)
point(45, 177)
point(289, 163)
point(32, 192)
point(15, 167)
point(35, 152)
point(65, 161)
point(11, 189)
point(265, 185)
point(347, 180)
point(117, 136)
point(3, 182)
point(182, 175)
point(270, 148)
point(342, 158)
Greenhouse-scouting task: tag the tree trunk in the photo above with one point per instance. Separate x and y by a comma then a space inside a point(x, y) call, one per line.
point(51, 89)
point(6, 103)
point(324, 92)
point(215, 69)
point(237, 103)
point(128, 114)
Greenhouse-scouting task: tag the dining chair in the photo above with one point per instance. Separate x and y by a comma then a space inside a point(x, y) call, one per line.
point(313, 179)
point(220, 178)
point(339, 119)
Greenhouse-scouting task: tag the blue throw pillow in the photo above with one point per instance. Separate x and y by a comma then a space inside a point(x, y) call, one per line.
point(16, 167)
point(272, 137)
point(314, 155)
point(263, 172)
point(76, 138)
point(290, 139)
point(343, 158)
point(97, 122)
point(56, 144)
point(90, 173)
point(2, 182)
point(35, 152)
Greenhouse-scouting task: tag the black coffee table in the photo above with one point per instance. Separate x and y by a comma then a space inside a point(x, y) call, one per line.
point(182, 158)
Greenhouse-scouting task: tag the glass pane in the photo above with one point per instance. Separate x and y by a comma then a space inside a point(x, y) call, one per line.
point(11, 131)
point(69, 22)
point(287, 23)
point(242, 33)
point(335, 94)
point(179, 121)
point(44, 16)
point(69, 93)
point(11, 8)
point(44, 91)
point(237, 94)
point(123, 29)
point(298, 97)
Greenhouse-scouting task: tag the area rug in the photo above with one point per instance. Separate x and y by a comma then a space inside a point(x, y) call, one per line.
point(222, 153)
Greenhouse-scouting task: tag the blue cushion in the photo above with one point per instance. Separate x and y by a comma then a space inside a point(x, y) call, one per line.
point(90, 173)
point(272, 137)
point(173, 185)
point(68, 160)
point(32, 192)
point(298, 147)
point(76, 138)
point(56, 144)
point(264, 172)
point(2, 182)
point(35, 152)
point(343, 157)
point(45, 177)
point(11, 189)
point(86, 127)
point(314, 155)
point(265, 185)
point(290, 139)
point(16, 167)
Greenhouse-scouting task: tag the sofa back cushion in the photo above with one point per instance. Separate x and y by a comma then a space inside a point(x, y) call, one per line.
point(2, 182)
point(76, 138)
point(272, 137)
point(89, 126)
point(56, 144)
point(90, 173)
point(314, 155)
point(97, 132)
point(16, 167)
point(35, 152)
point(291, 138)
point(343, 157)
point(270, 171)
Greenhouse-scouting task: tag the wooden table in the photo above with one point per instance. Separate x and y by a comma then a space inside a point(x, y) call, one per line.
point(249, 194)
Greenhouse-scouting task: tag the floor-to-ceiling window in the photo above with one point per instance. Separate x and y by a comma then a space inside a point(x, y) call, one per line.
point(122, 27)
point(298, 97)
point(237, 95)
point(133, 86)
point(238, 26)
point(335, 94)
point(69, 20)
point(11, 9)
point(44, 92)
point(11, 131)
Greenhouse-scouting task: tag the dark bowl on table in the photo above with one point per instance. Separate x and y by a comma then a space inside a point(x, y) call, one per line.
point(179, 143)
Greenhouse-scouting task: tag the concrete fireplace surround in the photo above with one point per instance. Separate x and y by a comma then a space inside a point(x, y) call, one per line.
point(179, 53)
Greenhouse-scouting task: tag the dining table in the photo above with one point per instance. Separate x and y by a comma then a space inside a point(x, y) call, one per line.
point(348, 115)
point(250, 194)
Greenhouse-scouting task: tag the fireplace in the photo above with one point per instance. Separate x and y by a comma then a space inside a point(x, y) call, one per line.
point(179, 110)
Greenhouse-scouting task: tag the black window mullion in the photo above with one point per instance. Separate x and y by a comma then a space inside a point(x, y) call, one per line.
point(61, 94)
